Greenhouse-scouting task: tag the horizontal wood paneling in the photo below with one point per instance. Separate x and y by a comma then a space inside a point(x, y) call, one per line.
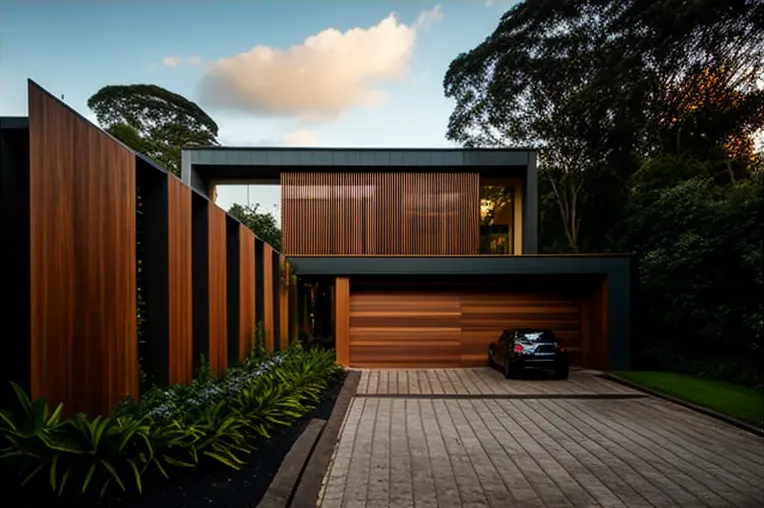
point(380, 213)
point(247, 317)
point(217, 276)
point(342, 308)
point(486, 314)
point(82, 261)
point(405, 329)
point(447, 328)
point(181, 338)
point(268, 303)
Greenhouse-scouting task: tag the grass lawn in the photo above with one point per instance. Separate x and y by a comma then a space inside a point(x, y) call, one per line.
point(740, 402)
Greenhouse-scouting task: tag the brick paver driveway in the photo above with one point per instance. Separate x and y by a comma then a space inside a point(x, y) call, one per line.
point(468, 437)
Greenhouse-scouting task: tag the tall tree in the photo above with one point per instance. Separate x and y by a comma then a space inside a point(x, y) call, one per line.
point(153, 121)
point(263, 224)
point(588, 83)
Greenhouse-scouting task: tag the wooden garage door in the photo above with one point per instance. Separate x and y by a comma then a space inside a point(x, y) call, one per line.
point(405, 329)
point(486, 313)
point(452, 328)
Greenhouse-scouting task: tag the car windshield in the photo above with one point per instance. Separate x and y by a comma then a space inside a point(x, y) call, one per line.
point(536, 335)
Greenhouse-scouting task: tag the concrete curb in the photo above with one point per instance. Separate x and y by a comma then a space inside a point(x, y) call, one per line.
point(689, 405)
point(309, 486)
point(282, 487)
point(499, 396)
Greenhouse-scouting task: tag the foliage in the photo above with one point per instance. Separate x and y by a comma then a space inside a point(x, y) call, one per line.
point(212, 419)
point(699, 252)
point(595, 85)
point(737, 401)
point(263, 224)
point(153, 121)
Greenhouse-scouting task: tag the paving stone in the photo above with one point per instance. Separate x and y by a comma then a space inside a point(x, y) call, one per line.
point(536, 453)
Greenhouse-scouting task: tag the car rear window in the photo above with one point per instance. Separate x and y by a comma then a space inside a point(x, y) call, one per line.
point(537, 335)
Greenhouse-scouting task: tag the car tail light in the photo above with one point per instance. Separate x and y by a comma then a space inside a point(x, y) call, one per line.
point(562, 348)
point(518, 348)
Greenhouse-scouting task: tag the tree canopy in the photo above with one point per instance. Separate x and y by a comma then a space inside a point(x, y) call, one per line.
point(597, 84)
point(153, 121)
point(263, 224)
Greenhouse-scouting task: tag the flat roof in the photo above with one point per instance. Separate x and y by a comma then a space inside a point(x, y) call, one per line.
point(376, 157)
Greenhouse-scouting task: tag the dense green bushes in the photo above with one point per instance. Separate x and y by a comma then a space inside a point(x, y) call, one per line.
point(698, 248)
point(176, 427)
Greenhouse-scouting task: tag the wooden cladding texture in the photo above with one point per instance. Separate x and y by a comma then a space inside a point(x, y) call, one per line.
point(380, 213)
point(268, 303)
point(181, 337)
point(247, 291)
point(82, 261)
point(217, 277)
point(486, 314)
point(450, 328)
point(405, 329)
point(342, 310)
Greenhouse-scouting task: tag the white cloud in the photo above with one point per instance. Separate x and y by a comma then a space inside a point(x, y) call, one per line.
point(427, 18)
point(301, 137)
point(196, 60)
point(171, 61)
point(328, 74)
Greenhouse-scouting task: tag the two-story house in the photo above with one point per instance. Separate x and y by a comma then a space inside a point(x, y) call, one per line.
point(419, 278)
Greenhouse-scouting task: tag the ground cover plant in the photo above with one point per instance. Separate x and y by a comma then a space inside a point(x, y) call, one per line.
point(741, 402)
point(170, 430)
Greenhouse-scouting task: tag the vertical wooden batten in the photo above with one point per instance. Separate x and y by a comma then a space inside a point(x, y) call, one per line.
point(82, 188)
point(342, 320)
point(217, 284)
point(247, 289)
point(180, 290)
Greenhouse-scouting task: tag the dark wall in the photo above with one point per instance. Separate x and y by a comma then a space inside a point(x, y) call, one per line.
point(233, 287)
point(14, 267)
point(200, 281)
point(153, 257)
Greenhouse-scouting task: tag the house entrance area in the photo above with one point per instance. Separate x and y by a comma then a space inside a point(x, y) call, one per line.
point(439, 324)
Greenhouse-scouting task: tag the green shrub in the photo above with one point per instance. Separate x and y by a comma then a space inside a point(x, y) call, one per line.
point(179, 426)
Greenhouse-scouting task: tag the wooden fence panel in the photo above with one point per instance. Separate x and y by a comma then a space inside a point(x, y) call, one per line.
point(179, 275)
point(217, 280)
point(82, 261)
point(247, 290)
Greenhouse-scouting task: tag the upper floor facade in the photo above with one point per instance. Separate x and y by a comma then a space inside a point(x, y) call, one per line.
point(387, 202)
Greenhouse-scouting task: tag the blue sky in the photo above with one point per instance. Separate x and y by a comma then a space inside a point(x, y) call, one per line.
point(375, 80)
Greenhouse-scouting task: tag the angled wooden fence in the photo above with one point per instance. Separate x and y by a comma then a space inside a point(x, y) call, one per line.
point(106, 244)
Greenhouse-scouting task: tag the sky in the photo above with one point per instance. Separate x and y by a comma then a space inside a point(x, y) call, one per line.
point(327, 73)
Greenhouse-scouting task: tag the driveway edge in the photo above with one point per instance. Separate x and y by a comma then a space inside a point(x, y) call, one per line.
point(282, 487)
point(689, 405)
point(309, 486)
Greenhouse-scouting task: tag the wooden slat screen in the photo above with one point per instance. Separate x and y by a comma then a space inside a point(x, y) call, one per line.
point(380, 213)
point(82, 191)
point(181, 339)
point(218, 296)
point(247, 317)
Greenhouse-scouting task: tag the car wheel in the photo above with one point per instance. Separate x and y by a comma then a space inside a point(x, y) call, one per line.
point(562, 372)
point(509, 372)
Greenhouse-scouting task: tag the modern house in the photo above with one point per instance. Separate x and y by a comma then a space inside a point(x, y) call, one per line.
point(418, 278)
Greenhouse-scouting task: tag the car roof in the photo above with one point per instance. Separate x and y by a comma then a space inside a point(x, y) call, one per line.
point(529, 330)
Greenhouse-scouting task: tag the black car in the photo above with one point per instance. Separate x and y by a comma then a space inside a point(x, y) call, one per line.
point(521, 349)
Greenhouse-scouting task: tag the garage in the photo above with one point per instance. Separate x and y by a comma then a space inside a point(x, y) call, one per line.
point(414, 327)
